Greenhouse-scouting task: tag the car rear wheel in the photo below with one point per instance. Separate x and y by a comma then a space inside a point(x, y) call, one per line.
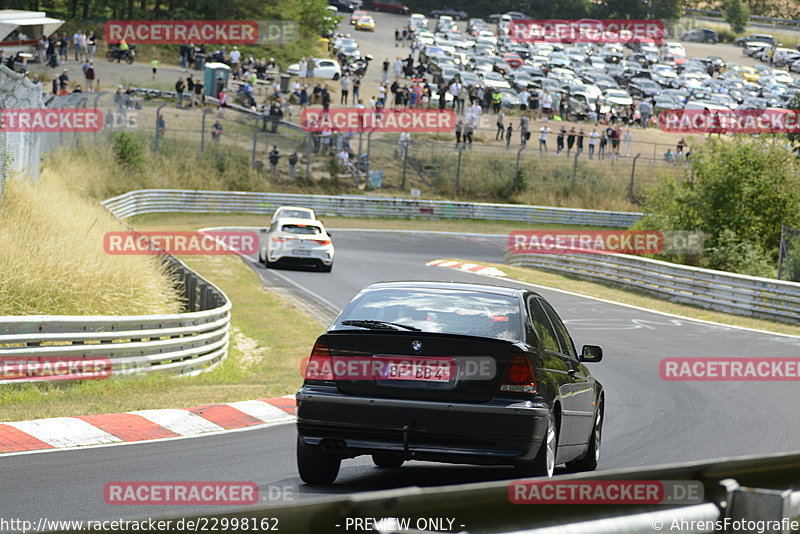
point(592, 457)
point(336, 76)
point(710, 40)
point(315, 466)
point(387, 460)
point(545, 462)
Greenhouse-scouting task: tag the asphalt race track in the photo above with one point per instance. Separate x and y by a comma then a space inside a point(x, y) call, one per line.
point(648, 421)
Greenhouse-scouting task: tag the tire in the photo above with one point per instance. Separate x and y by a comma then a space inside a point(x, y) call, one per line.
point(387, 460)
point(326, 268)
point(710, 41)
point(336, 76)
point(268, 264)
point(545, 462)
point(592, 456)
point(315, 466)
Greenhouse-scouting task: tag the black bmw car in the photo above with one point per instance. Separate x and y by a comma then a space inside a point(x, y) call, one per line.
point(448, 372)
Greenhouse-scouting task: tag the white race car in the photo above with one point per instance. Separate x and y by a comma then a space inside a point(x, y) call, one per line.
point(293, 212)
point(295, 241)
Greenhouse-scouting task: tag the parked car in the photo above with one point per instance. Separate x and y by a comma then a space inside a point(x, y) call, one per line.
point(701, 35)
point(390, 6)
point(348, 6)
point(448, 372)
point(450, 12)
point(366, 23)
point(328, 69)
point(357, 14)
point(760, 37)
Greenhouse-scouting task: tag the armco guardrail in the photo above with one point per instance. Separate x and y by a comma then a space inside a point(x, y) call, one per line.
point(182, 343)
point(168, 200)
point(755, 20)
point(751, 488)
point(726, 292)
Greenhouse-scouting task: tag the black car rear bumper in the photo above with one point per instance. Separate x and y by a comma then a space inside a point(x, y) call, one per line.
point(498, 431)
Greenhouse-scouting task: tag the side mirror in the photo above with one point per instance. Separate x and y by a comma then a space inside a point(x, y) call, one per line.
point(264, 230)
point(591, 354)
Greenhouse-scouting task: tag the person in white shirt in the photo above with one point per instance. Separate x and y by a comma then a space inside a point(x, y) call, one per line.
point(626, 143)
point(523, 96)
point(236, 58)
point(398, 68)
point(344, 159)
point(454, 89)
point(543, 131)
point(592, 142)
point(547, 104)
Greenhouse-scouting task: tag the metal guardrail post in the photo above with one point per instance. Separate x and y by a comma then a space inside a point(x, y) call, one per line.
point(203, 130)
point(519, 153)
point(191, 293)
point(633, 175)
point(255, 144)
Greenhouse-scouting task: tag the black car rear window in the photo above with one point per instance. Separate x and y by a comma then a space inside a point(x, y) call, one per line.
point(443, 311)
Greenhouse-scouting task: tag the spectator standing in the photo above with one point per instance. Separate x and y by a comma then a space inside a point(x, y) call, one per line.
point(154, 66)
point(547, 104)
point(76, 46)
point(276, 115)
point(41, 50)
point(310, 67)
point(523, 130)
point(463, 95)
point(63, 82)
point(459, 128)
point(579, 142)
point(236, 59)
point(90, 75)
point(560, 140)
point(570, 140)
point(385, 71)
point(501, 129)
point(274, 158)
point(63, 43)
point(91, 45)
point(509, 133)
point(626, 142)
point(326, 100)
point(601, 151)
point(398, 68)
point(469, 129)
point(497, 100)
point(190, 90)
point(82, 45)
point(396, 38)
point(543, 131)
point(345, 81)
point(592, 142)
point(199, 94)
point(680, 147)
point(645, 110)
point(180, 87)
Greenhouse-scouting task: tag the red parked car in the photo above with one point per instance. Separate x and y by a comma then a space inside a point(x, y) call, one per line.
point(513, 60)
point(390, 6)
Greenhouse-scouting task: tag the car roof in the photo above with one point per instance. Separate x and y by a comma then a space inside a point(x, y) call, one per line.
point(310, 210)
point(456, 286)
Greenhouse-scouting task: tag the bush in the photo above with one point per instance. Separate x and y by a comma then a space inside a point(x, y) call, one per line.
point(128, 151)
point(734, 253)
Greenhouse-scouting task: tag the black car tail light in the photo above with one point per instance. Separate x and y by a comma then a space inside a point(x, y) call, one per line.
point(519, 376)
point(320, 364)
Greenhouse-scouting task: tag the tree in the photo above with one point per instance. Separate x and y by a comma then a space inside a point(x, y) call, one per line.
point(744, 190)
point(737, 14)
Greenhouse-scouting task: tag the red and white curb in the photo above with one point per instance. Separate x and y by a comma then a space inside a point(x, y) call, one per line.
point(142, 425)
point(484, 270)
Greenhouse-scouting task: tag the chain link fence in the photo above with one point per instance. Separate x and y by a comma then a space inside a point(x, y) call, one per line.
point(789, 255)
point(20, 151)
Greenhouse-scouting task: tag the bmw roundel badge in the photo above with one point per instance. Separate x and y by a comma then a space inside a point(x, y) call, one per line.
point(416, 345)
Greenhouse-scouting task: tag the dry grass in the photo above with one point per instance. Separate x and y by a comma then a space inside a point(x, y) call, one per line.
point(53, 261)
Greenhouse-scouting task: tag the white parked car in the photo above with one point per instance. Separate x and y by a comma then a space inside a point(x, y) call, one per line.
point(325, 68)
point(292, 241)
point(417, 19)
point(494, 80)
point(293, 212)
point(673, 49)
